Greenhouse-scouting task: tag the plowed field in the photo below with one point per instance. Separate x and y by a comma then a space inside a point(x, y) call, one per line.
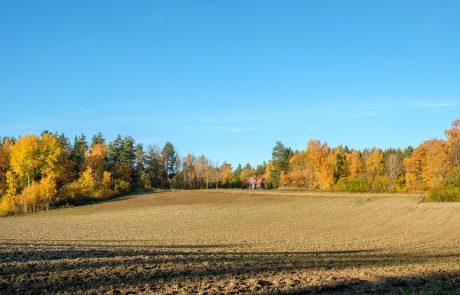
point(235, 242)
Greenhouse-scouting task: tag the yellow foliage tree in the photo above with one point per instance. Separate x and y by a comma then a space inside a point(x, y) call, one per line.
point(299, 171)
point(50, 155)
point(453, 142)
point(413, 166)
point(320, 158)
point(267, 174)
point(96, 160)
point(437, 164)
point(245, 175)
point(25, 160)
point(354, 164)
point(374, 165)
point(86, 183)
point(104, 189)
point(226, 175)
point(34, 159)
point(5, 157)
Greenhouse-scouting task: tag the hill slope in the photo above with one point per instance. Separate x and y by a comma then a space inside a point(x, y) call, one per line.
point(224, 241)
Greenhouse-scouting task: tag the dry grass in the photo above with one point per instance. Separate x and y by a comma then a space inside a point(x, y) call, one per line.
point(235, 242)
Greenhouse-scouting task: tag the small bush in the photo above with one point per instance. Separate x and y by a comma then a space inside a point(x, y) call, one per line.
point(453, 179)
point(381, 184)
point(121, 187)
point(352, 185)
point(443, 195)
point(6, 206)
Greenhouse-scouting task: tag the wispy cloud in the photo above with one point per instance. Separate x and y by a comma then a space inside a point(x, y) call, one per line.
point(438, 104)
point(368, 114)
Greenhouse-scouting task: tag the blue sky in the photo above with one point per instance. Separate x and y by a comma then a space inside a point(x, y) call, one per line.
point(230, 78)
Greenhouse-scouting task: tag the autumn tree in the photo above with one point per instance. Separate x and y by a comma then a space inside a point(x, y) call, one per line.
point(453, 142)
point(354, 163)
point(33, 158)
point(204, 171)
point(96, 159)
point(393, 164)
point(246, 174)
point(413, 166)
point(373, 163)
point(189, 171)
point(5, 157)
point(437, 164)
point(320, 158)
point(299, 171)
point(267, 175)
point(226, 176)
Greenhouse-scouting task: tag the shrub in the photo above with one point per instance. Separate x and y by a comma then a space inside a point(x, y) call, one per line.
point(443, 195)
point(121, 187)
point(381, 184)
point(453, 179)
point(103, 189)
point(6, 206)
point(399, 185)
point(353, 185)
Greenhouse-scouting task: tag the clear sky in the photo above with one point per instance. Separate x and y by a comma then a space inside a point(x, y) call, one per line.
point(230, 78)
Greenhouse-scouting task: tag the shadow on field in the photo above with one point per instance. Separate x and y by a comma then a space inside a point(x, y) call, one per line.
point(91, 267)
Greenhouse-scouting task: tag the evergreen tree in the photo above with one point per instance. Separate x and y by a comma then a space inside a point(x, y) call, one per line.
point(77, 154)
point(98, 138)
point(237, 174)
point(339, 168)
point(280, 162)
point(168, 157)
point(153, 166)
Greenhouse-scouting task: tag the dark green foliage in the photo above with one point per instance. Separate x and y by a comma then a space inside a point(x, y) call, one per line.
point(70, 167)
point(98, 138)
point(260, 169)
point(77, 154)
point(121, 156)
point(168, 157)
point(280, 161)
point(236, 174)
point(139, 169)
point(339, 168)
point(153, 166)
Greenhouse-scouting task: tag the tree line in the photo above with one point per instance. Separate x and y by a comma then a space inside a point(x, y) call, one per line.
point(433, 166)
point(39, 172)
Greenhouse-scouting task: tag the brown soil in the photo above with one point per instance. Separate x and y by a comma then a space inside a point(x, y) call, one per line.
point(235, 242)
